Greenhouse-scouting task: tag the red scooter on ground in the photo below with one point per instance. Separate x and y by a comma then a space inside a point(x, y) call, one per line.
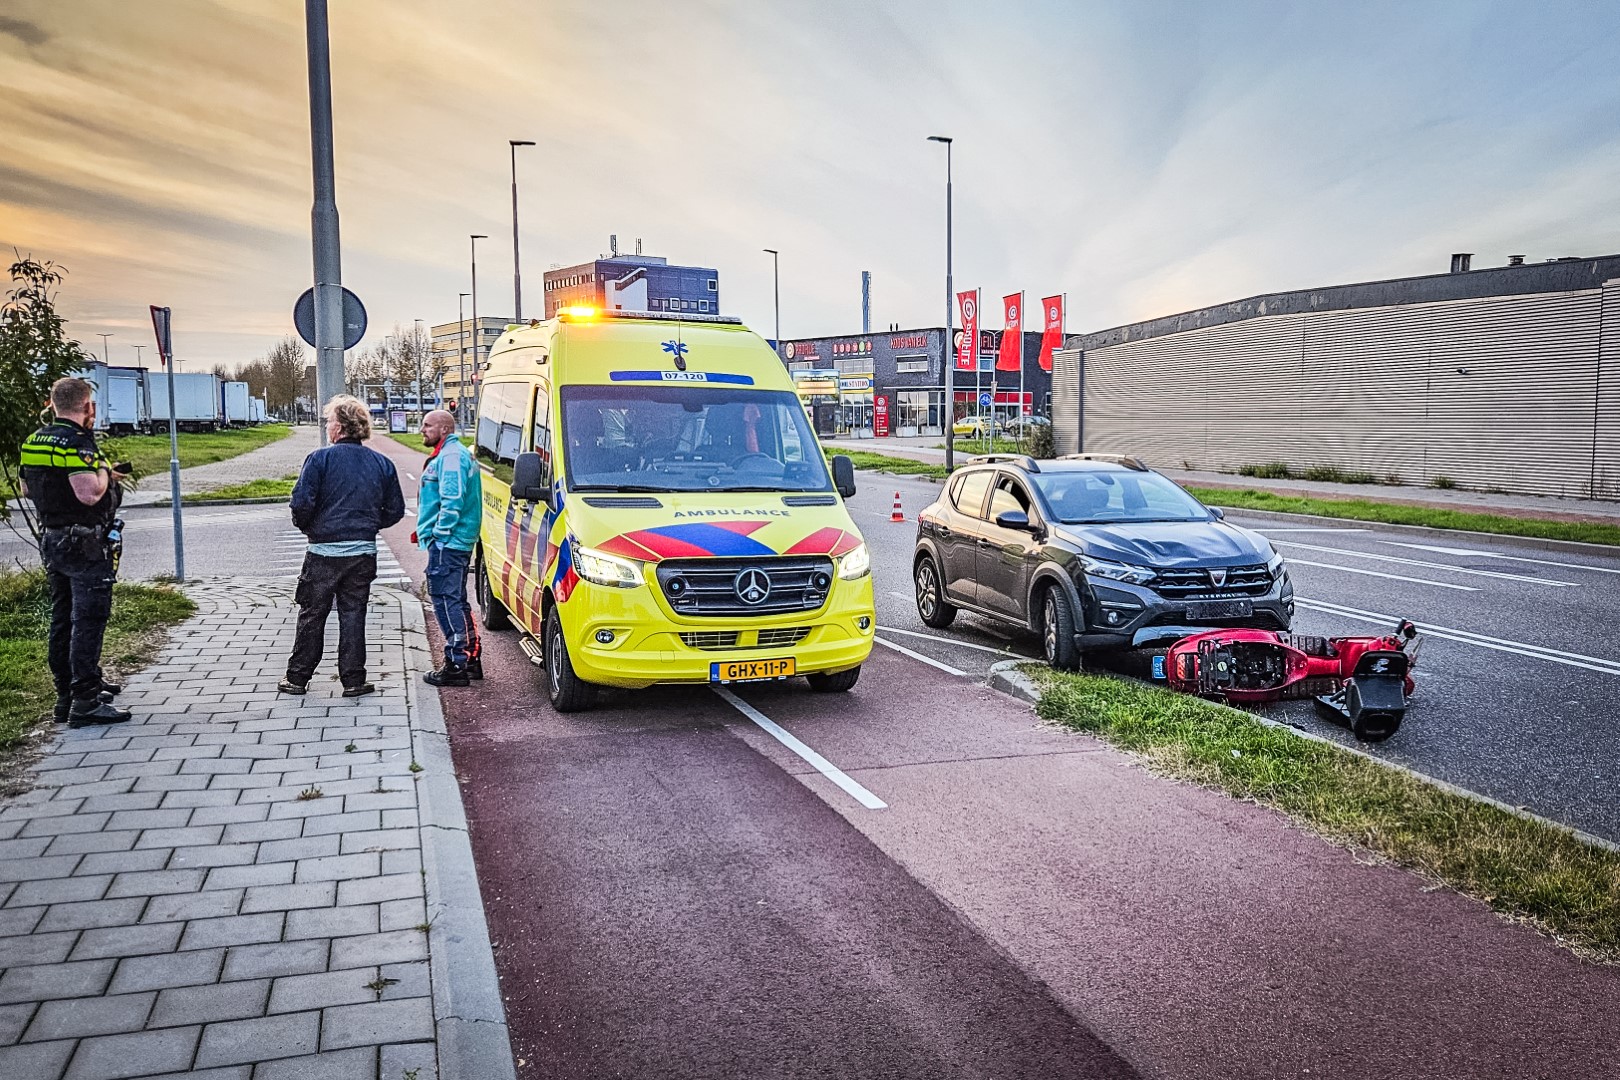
point(1362, 682)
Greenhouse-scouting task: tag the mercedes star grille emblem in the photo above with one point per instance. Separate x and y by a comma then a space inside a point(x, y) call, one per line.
point(752, 585)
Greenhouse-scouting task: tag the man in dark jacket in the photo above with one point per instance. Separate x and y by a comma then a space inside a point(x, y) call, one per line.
point(346, 493)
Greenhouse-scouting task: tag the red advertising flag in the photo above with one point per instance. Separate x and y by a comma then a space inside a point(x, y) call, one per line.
point(1052, 309)
point(1011, 357)
point(967, 349)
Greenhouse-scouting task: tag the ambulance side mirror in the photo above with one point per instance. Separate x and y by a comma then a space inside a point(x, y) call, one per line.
point(843, 476)
point(529, 480)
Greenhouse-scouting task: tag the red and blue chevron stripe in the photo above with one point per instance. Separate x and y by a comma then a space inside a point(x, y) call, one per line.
point(689, 541)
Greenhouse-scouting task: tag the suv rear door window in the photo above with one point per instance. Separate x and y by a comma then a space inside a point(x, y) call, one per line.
point(969, 498)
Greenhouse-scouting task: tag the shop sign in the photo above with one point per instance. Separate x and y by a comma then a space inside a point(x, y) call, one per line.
point(880, 416)
point(854, 384)
point(816, 386)
point(908, 341)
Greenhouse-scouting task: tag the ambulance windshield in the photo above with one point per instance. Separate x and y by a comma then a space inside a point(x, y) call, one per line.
point(688, 438)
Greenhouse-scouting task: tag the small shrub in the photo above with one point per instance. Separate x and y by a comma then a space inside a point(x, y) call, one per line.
point(1360, 478)
point(1041, 444)
point(1326, 474)
point(1444, 483)
point(1393, 479)
point(1271, 470)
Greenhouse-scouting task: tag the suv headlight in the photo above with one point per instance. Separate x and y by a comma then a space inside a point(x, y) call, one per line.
point(600, 568)
point(857, 564)
point(1275, 566)
point(1116, 571)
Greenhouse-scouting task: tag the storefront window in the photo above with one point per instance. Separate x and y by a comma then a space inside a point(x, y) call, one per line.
point(918, 412)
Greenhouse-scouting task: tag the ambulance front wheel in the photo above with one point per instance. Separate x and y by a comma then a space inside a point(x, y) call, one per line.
point(567, 691)
point(836, 683)
point(496, 617)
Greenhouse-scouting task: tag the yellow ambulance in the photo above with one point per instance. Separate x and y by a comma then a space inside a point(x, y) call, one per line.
point(657, 510)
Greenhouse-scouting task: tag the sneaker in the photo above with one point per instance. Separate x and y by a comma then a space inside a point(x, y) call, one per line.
point(111, 689)
point(96, 711)
point(475, 668)
point(64, 705)
point(360, 691)
point(446, 676)
point(289, 686)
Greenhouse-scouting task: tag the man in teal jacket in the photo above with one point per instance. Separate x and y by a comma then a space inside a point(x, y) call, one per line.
point(448, 516)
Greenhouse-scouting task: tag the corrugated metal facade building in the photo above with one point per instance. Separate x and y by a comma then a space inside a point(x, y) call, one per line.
point(1501, 379)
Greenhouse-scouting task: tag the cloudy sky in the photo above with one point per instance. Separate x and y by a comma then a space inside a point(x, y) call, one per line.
point(1144, 158)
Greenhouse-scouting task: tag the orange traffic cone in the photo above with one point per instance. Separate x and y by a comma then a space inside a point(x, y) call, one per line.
point(897, 514)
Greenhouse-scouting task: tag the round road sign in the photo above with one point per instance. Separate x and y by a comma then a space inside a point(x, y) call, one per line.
point(354, 318)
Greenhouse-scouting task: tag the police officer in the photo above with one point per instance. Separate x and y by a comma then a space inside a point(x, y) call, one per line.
point(76, 494)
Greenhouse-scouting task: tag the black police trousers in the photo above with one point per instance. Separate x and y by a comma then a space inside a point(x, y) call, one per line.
point(323, 581)
point(81, 591)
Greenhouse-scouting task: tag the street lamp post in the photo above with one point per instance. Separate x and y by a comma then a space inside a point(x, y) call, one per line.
point(416, 349)
point(461, 368)
point(474, 294)
point(138, 349)
point(517, 269)
point(950, 318)
point(104, 338)
point(776, 293)
point(323, 214)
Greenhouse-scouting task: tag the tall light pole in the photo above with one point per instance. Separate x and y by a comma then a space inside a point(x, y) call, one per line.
point(517, 267)
point(461, 383)
point(324, 215)
point(104, 338)
point(138, 349)
point(950, 318)
point(416, 348)
point(776, 292)
point(474, 294)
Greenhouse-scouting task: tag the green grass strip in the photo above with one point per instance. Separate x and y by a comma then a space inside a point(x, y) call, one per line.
point(865, 459)
point(150, 453)
point(1398, 514)
point(135, 633)
point(252, 489)
point(1523, 869)
point(411, 439)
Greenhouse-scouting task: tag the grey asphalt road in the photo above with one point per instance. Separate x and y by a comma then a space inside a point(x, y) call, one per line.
point(1516, 677)
point(917, 879)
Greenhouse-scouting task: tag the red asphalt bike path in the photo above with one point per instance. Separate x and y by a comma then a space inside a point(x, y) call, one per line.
point(675, 893)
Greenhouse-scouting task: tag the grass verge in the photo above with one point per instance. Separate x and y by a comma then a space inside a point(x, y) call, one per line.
point(1399, 514)
point(253, 489)
point(1523, 869)
point(865, 459)
point(141, 616)
point(150, 453)
point(411, 439)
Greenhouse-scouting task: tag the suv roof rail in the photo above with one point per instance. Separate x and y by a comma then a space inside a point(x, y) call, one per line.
point(1023, 461)
point(1113, 459)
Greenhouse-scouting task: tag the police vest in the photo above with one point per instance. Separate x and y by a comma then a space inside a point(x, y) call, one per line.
point(51, 455)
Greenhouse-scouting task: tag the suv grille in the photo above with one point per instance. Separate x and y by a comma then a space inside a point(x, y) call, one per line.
point(1196, 584)
point(710, 586)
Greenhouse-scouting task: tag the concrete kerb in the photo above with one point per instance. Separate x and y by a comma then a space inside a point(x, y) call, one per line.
point(468, 1014)
point(1007, 677)
point(1579, 547)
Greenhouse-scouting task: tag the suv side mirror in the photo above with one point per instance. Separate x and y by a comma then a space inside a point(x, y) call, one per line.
point(529, 480)
point(1013, 519)
point(843, 475)
point(1217, 513)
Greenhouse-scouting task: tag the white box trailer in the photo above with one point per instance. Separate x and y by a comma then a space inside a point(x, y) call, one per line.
point(127, 405)
point(234, 399)
point(197, 401)
point(256, 411)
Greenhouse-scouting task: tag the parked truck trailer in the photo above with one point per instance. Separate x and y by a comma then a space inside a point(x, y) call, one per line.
point(198, 401)
point(234, 398)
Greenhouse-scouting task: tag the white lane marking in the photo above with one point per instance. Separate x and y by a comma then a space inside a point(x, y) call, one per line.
point(948, 641)
point(1468, 637)
point(1508, 558)
point(929, 660)
point(410, 476)
point(1323, 528)
point(1379, 573)
point(816, 761)
point(1430, 565)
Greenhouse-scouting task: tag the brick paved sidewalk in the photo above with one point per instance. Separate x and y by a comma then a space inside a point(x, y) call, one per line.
point(233, 885)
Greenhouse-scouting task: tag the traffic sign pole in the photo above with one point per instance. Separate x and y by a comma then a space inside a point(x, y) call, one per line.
point(324, 215)
point(165, 345)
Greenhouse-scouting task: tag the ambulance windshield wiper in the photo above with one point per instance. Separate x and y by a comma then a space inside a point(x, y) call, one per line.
point(625, 487)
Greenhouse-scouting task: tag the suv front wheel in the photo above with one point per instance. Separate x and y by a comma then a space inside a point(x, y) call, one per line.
point(1057, 629)
point(932, 607)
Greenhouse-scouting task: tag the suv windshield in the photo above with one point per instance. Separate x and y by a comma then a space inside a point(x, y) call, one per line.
point(1096, 498)
point(688, 438)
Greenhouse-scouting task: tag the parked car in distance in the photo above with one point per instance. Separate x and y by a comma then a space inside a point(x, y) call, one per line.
point(976, 426)
point(1023, 425)
point(1092, 552)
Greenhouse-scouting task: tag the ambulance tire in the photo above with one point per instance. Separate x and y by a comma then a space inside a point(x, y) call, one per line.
point(567, 691)
point(836, 683)
point(496, 617)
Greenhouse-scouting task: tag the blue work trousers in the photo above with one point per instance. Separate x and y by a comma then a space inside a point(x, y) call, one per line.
point(447, 588)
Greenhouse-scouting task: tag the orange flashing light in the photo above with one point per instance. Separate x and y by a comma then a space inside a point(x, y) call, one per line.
point(580, 311)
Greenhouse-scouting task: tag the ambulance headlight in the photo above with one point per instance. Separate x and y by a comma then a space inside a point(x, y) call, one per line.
point(600, 568)
point(857, 564)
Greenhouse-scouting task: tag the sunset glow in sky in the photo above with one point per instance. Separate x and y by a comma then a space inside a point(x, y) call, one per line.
point(1144, 158)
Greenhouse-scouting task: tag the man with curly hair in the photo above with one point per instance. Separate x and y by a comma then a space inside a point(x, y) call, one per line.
point(346, 494)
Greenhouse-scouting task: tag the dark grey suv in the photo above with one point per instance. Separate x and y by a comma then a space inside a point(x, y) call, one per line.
point(1091, 552)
